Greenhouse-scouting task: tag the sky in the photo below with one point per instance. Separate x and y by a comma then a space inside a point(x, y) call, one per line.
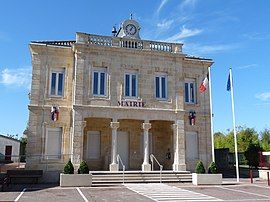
point(234, 33)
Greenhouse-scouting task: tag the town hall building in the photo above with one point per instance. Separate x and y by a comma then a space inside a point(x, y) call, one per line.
point(101, 98)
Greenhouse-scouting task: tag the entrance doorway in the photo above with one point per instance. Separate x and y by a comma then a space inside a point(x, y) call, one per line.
point(123, 148)
point(8, 153)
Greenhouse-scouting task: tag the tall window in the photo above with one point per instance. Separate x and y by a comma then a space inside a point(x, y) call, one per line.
point(131, 85)
point(190, 91)
point(57, 83)
point(53, 143)
point(99, 83)
point(161, 86)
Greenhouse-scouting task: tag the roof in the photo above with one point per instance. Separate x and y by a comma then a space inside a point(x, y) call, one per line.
point(10, 138)
point(55, 43)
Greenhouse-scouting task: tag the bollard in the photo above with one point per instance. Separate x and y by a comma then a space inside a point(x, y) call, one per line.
point(251, 176)
point(268, 181)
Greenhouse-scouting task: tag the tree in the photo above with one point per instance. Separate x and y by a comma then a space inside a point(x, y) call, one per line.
point(265, 139)
point(219, 140)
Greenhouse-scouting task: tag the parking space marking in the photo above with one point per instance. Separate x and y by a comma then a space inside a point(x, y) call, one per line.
point(245, 192)
point(18, 197)
point(163, 192)
point(80, 192)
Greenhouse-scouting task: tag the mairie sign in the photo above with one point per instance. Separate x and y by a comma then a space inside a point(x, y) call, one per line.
point(132, 103)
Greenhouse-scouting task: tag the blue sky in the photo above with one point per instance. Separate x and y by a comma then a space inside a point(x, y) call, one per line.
point(234, 33)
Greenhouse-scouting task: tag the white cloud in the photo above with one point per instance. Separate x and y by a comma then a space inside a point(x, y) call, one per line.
point(248, 66)
point(20, 77)
point(165, 24)
point(187, 3)
point(184, 33)
point(207, 49)
point(263, 96)
point(161, 5)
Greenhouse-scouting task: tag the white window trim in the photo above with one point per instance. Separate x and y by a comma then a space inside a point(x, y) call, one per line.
point(160, 75)
point(59, 129)
point(57, 71)
point(99, 71)
point(189, 81)
point(130, 85)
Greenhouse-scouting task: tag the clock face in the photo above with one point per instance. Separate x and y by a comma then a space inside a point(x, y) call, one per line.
point(131, 29)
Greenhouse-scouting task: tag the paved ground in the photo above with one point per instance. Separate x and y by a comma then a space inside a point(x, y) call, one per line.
point(229, 191)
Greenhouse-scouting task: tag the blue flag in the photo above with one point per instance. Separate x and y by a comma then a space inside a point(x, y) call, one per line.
point(229, 83)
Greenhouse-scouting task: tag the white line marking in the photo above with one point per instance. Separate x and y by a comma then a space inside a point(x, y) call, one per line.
point(80, 192)
point(245, 192)
point(18, 197)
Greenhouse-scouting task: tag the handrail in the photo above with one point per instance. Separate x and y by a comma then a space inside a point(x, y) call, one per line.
point(120, 160)
point(152, 158)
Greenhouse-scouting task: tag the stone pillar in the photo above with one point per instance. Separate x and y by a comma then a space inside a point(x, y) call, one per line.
point(114, 165)
point(77, 139)
point(179, 163)
point(146, 166)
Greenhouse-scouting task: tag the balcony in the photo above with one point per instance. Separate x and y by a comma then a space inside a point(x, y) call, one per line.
point(83, 38)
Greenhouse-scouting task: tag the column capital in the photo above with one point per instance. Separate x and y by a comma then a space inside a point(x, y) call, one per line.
point(83, 124)
point(146, 126)
point(114, 125)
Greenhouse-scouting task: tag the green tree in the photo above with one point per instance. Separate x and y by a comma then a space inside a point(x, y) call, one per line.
point(252, 155)
point(247, 137)
point(219, 140)
point(265, 139)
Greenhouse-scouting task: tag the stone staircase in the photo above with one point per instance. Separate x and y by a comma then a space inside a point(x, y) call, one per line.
point(107, 178)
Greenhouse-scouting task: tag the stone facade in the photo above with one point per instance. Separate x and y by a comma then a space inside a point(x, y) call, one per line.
point(166, 121)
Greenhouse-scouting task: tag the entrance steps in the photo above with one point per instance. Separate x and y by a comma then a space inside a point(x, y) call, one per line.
point(104, 178)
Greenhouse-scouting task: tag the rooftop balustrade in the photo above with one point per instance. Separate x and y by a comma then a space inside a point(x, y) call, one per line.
point(130, 43)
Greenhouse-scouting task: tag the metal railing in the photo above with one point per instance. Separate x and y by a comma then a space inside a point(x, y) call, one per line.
point(123, 166)
point(152, 158)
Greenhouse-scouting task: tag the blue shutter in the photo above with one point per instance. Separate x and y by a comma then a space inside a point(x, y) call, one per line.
point(163, 86)
point(127, 87)
point(134, 86)
point(53, 83)
point(60, 83)
point(186, 93)
point(95, 86)
point(192, 93)
point(157, 87)
point(102, 83)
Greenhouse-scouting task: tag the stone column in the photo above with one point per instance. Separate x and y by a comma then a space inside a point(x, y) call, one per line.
point(77, 139)
point(179, 163)
point(114, 166)
point(146, 166)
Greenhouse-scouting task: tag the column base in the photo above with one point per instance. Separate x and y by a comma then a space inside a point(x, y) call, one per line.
point(146, 167)
point(179, 167)
point(114, 167)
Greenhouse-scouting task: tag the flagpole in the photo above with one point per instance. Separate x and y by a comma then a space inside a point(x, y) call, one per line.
point(211, 115)
point(234, 128)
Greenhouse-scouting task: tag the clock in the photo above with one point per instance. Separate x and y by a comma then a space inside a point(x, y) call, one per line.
point(130, 29)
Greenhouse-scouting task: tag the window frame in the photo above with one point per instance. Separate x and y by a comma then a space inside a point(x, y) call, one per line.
point(57, 72)
point(99, 71)
point(160, 76)
point(130, 85)
point(189, 82)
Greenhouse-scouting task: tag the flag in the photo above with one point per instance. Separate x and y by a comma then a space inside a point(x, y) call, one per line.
point(204, 84)
point(229, 83)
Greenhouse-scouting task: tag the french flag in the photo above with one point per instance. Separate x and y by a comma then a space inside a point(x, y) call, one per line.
point(204, 84)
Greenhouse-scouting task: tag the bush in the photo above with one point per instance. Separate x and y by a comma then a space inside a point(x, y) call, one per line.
point(212, 168)
point(69, 169)
point(200, 168)
point(83, 169)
